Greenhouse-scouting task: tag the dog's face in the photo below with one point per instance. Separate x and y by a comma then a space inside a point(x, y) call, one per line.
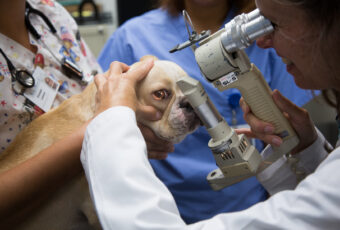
point(160, 90)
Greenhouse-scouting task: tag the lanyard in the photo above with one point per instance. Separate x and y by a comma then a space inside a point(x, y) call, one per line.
point(69, 69)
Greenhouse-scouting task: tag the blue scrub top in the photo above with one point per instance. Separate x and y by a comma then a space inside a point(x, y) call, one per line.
point(184, 171)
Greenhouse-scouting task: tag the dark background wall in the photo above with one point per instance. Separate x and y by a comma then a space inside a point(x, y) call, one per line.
point(130, 8)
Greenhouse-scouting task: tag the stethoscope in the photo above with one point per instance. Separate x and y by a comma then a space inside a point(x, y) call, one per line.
point(24, 77)
point(70, 69)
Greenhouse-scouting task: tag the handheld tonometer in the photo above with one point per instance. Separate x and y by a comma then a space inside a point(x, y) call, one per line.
point(224, 63)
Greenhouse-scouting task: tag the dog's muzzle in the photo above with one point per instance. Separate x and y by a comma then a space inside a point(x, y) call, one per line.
point(184, 104)
point(188, 109)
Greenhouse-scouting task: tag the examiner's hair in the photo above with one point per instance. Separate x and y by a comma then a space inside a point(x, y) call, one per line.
point(174, 7)
point(325, 15)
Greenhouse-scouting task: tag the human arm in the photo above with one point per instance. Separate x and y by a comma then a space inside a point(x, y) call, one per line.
point(157, 147)
point(128, 195)
point(30, 183)
point(288, 171)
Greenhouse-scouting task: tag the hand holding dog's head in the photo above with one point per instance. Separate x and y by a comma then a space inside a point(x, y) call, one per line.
point(117, 86)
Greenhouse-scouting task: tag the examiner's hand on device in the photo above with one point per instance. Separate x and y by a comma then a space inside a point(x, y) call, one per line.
point(298, 118)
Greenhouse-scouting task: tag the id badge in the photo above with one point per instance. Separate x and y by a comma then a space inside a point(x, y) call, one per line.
point(44, 91)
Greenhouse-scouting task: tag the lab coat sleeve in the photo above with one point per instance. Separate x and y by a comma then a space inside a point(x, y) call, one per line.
point(127, 194)
point(287, 172)
point(125, 190)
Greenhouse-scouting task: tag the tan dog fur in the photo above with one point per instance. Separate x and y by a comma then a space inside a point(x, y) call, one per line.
point(71, 208)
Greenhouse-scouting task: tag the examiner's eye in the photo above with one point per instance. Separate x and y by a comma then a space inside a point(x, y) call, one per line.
point(161, 94)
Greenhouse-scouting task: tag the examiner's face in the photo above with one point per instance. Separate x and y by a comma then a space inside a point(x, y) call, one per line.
point(296, 40)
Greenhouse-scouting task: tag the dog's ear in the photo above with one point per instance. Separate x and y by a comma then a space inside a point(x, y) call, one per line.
point(147, 57)
point(134, 65)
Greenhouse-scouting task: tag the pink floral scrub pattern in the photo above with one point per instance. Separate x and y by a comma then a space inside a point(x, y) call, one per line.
point(16, 111)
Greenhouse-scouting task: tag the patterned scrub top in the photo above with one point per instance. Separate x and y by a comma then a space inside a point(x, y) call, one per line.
point(16, 111)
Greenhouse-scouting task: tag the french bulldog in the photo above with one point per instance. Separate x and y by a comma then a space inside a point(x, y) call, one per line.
point(71, 206)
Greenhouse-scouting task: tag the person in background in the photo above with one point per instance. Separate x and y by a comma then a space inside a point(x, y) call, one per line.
point(307, 35)
point(185, 170)
point(24, 187)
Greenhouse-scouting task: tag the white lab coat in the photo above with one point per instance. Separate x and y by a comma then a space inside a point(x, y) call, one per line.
point(127, 194)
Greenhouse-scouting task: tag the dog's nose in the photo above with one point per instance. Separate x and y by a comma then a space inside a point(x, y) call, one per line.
point(184, 104)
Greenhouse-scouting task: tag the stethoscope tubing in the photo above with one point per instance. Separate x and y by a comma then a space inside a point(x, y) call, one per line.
point(69, 68)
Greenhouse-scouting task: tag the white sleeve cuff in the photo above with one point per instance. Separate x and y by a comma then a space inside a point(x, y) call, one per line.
point(310, 158)
point(286, 172)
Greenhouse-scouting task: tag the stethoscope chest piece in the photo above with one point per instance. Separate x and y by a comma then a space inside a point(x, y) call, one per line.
point(21, 78)
point(24, 78)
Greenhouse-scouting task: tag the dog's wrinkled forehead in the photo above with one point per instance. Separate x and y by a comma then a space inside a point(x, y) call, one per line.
point(164, 68)
point(170, 69)
point(163, 74)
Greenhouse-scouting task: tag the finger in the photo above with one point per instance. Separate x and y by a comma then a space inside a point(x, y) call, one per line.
point(117, 68)
point(244, 106)
point(149, 113)
point(157, 155)
point(141, 70)
point(159, 146)
point(269, 139)
point(246, 132)
point(286, 106)
point(99, 81)
point(258, 126)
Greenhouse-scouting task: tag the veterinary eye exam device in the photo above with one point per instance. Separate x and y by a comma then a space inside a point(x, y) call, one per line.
point(224, 63)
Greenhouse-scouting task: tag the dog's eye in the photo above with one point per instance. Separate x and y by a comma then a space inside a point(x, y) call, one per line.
point(161, 94)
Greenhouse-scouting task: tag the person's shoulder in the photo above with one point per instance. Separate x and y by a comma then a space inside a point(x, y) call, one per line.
point(46, 4)
point(152, 18)
point(57, 14)
point(53, 10)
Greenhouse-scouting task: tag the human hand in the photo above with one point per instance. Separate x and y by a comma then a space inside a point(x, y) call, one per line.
point(157, 148)
point(298, 118)
point(116, 87)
